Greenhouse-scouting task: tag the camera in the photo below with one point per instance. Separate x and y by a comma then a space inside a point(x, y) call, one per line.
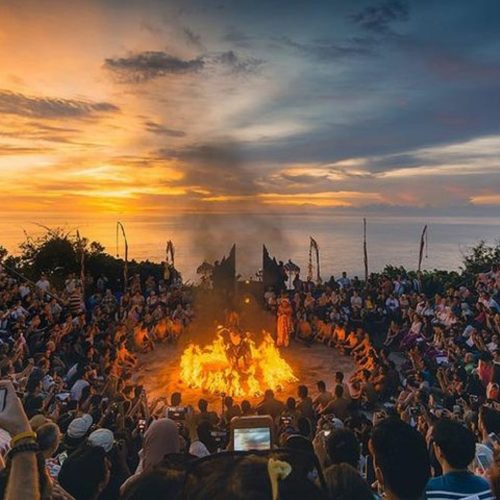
point(177, 413)
point(251, 433)
point(220, 437)
point(328, 422)
point(287, 421)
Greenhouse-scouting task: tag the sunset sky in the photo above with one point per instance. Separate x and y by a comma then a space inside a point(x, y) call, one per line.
point(145, 107)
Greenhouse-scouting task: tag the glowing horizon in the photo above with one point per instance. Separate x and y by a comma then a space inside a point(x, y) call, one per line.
point(139, 108)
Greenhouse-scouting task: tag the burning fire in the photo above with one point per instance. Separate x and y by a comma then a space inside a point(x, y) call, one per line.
point(210, 368)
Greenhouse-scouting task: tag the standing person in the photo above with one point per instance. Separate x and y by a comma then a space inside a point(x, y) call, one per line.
point(75, 301)
point(344, 281)
point(284, 325)
point(455, 448)
point(43, 283)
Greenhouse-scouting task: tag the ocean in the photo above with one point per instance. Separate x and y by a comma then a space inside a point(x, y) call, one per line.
point(391, 240)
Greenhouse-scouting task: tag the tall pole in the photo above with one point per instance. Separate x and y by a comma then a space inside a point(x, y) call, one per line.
point(314, 245)
point(119, 226)
point(310, 265)
point(317, 264)
point(365, 252)
point(423, 241)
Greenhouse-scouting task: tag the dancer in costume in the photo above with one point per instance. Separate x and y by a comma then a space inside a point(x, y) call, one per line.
point(285, 323)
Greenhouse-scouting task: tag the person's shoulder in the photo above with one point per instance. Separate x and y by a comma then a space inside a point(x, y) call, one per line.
point(435, 483)
point(476, 484)
point(479, 481)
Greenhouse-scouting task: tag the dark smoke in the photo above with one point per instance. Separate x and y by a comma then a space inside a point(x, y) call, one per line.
point(220, 169)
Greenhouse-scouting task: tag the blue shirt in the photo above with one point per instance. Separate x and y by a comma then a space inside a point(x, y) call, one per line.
point(459, 485)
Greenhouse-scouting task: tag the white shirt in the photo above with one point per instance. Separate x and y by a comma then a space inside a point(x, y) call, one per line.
point(43, 284)
point(392, 303)
point(76, 390)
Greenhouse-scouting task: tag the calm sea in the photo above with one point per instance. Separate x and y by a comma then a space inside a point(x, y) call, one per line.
point(391, 240)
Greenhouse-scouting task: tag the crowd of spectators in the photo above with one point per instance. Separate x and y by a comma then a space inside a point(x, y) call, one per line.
point(417, 418)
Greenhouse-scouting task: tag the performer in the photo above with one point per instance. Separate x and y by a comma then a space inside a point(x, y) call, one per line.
point(232, 319)
point(237, 347)
point(285, 324)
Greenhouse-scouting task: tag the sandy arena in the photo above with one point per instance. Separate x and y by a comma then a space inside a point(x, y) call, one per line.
point(160, 374)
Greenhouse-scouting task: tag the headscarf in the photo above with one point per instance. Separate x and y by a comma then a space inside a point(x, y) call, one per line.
point(161, 438)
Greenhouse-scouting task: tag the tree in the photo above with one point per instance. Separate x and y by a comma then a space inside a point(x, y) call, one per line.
point(54, 253)
point(58, 253)
point(480, 258)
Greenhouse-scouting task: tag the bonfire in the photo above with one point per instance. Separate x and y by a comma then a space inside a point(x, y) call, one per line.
point(212, 369)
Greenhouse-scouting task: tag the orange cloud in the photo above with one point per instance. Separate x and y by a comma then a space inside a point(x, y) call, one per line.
point(486, 199)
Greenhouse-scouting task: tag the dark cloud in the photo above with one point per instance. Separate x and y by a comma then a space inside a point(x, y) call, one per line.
point(378, 18)
point(143, 66)
point(218, 171)
point(146, 66)
point(326, 50)
point(193, 39)
point(218, 167)
point(156, 128)
point(236, 63)
point(49, 107)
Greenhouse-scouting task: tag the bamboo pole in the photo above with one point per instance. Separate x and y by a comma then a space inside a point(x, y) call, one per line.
point(423, 238)
point(119, 226)
point(365, 252)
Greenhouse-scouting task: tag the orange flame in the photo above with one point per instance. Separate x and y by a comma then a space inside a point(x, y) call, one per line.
point(210, 368)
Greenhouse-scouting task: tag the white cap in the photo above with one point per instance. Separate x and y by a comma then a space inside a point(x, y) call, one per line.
point(103, 438)
point(79, 426)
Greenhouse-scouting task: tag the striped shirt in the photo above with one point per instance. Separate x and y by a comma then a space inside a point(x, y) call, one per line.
point(458, 485)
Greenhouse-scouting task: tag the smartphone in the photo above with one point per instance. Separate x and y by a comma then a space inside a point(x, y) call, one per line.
point(220, 438)
point(482, 462)
point(3, 398)
point(286, 421)
point(251, 433)
point(363, 466)
point(177, 413)
point(141, 425)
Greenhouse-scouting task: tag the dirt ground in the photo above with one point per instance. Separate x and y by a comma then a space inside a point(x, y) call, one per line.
point(159, 369)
